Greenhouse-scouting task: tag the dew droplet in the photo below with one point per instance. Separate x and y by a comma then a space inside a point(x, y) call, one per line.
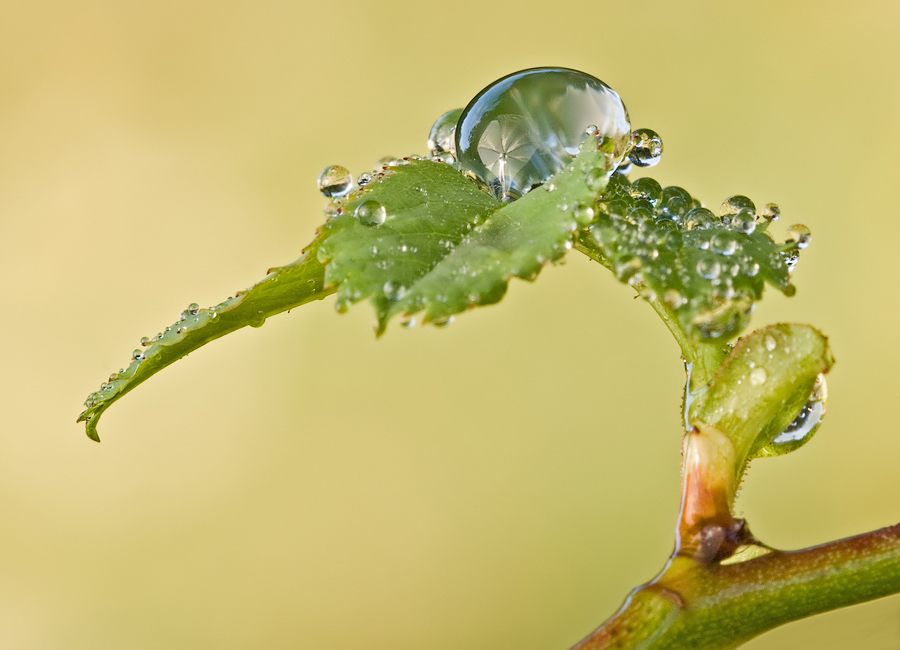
point(734, 204)
point(371, 213)
point(525, 127)
point(138, 355)
point(646, 189)
point(799, 235)
point(335, 181)
point(771, 212)
point(770, 342)
point(744, 221)
point(145, 341)
point(724, 244)
point(673, 298)
point(708, 267)
point(442, 138)
point(646, 149)
point(758, 376)
point(802, 428)
point(584, 214)
point(699, 219)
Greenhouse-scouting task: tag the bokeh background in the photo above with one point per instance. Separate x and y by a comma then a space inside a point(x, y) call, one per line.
point(501, 483)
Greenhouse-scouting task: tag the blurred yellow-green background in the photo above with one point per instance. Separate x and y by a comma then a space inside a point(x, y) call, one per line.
point(501, 483)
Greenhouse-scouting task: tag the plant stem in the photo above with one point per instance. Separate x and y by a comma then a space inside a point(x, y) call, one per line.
point(719, 606)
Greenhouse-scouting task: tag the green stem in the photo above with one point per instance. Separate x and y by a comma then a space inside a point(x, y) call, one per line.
point(720, 606)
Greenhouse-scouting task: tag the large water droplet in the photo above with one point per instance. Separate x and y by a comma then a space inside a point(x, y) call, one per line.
point(442, 138)
point(335, 181)
point(371, 213)
point(525, 127)
point(802, 428)
point(647, 148)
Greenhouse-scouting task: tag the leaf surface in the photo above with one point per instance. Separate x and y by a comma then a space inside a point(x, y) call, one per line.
point(284, 288)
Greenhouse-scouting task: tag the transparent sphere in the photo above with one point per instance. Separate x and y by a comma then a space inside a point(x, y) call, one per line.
point(525, 127)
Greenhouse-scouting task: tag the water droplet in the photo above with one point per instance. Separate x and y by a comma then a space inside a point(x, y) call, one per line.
point(138, 355)
point(734, 204)
point(584, 214)
point(441, 139)
point(371, 213)
point(758, 376)
point(802, 428)
point(335, 181)
point(673, 298)
point(724, 244)
point(744, 221)
point(647, 148)
point(708, 267)
point(646, 189)
point(751, 269)
point(596, 179)
point(699, 219)
point(145, 341)
point(527, 126)
point(771, 212)
point(674, 202)
point(799, 235)
point(770, 342)
point(393, 291)
point(364, 179)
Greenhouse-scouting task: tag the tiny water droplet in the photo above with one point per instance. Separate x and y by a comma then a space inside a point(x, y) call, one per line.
point(770, 342)
point(145, 341)
point(799, 235)
point(647, 148)
point(673, 298)
point(364, 179)
point(442, 138)
point(335, 181)
point(584, 214)
point(525, 127)
point(138, 355)
point(371, 213)
point(758, 376)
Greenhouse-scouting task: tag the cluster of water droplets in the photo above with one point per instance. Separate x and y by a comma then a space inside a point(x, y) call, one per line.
point(191, 319)
point(710, 266)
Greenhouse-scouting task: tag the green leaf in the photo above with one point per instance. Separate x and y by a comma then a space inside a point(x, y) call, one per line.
point(762, 387)
point(708, 270)
point(284, 288)
point(445, 246)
